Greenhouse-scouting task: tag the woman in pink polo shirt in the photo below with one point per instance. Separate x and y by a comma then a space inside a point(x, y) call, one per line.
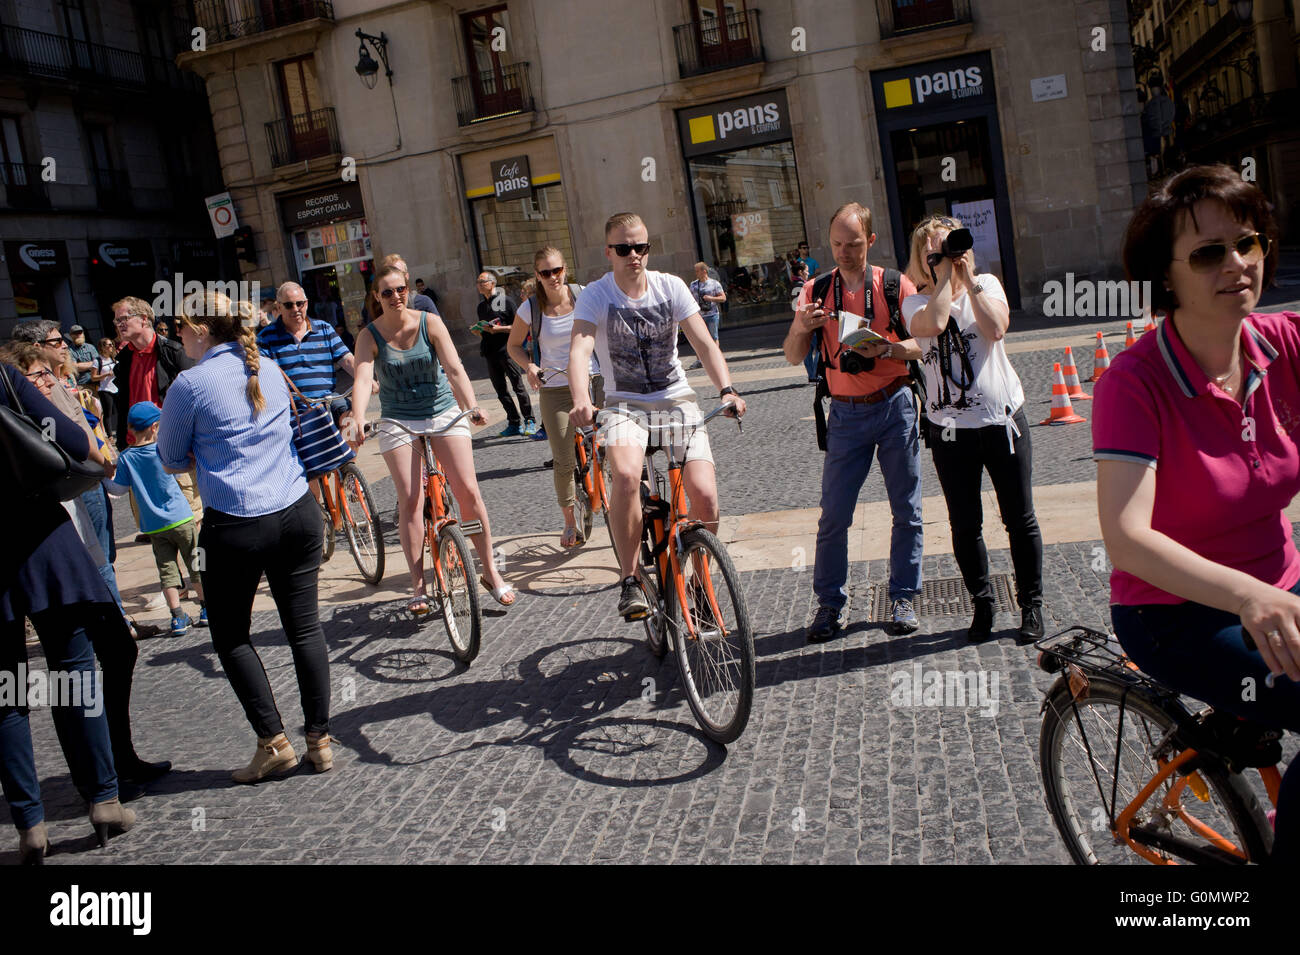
point(1195, 434)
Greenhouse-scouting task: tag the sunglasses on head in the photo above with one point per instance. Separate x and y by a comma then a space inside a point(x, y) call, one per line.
point(624, 249)
point(551, 273)
point(1252, 248)
point(390, 292)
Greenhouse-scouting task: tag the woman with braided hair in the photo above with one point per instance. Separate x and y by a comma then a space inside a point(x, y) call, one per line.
point(976, 420)
point(230, 416)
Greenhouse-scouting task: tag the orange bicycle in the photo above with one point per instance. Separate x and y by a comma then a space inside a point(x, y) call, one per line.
point(348, 505)
point(455, 589)
point(1132, 775)
point(697, 608)
point(589, 485)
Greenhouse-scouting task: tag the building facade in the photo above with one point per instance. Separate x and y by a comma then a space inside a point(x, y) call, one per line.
point(1219, 84)
point(735, 129)
point(106, 154)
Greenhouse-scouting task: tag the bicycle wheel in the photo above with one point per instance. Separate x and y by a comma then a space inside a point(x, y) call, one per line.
point(662, 605)
point(327, 544)
point(361, 524)
point(458, 595)
point(582, 514)
point(1078, 786)
point(717, 663)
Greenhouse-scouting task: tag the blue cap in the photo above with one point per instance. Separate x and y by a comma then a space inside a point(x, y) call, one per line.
point(142, 415)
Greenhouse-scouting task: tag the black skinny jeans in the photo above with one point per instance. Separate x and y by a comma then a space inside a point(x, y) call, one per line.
point(286, 546)
point(501, 368)
point(960, 464)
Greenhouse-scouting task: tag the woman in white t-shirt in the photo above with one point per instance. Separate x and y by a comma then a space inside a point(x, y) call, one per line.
point(103, 375)
point(552, 331)
point(976, 420)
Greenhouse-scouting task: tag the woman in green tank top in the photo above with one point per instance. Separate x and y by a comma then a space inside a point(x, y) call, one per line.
point(422, 384)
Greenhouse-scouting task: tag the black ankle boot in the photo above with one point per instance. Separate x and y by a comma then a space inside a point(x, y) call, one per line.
point(1031, 625)
point(981, 625)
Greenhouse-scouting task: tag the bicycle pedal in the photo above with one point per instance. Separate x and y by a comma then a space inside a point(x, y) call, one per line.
point(636, 615)
point(470, 528)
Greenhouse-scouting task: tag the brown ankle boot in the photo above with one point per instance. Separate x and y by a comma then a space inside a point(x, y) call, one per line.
point(319, 752)
point(110, 818)
point(274, 755)
point(33, 843)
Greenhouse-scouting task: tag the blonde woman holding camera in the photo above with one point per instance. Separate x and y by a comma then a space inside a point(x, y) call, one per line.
point(975, 416)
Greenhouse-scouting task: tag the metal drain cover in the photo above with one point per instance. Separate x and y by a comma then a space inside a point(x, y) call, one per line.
point(946, 597)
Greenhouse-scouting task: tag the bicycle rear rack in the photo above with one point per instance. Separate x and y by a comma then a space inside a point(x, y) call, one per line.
point(1093, 652)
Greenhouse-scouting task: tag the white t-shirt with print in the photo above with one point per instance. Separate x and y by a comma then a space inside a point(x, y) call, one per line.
point(994, 394)
point(636, 339)
point(556, 334)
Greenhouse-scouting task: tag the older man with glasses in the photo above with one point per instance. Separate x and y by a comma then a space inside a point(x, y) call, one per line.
point(308, 349)
point(496, 316)
point(147, 363)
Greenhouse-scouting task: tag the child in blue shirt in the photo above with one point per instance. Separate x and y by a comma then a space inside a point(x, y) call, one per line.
point(165, 514)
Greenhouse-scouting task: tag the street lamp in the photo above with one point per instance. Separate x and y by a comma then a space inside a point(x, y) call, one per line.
point(366, 67)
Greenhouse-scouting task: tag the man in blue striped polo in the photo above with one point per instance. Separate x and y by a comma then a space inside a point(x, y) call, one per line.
point(308, 349)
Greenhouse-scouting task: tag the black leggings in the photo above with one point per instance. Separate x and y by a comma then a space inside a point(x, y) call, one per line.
point(960, 463)
point(286, 546)
point(501, 368)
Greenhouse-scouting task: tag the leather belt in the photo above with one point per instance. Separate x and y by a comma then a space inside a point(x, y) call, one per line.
point(875, 396)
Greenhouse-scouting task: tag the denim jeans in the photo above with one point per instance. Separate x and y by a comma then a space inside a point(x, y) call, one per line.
point(101, 519)
point(712, 322)
point(960, 464)
point(83, 737)
point(1198, 650)
point(286, 546)
point(856, 433)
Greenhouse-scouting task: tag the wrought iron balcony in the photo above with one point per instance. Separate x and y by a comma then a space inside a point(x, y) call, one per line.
point(1217, 36)
point(53, 56)
point(492, 94)
point(718, 43)
point(903, 17)
point(225, 20)
point(303, 136)
point(23, 186)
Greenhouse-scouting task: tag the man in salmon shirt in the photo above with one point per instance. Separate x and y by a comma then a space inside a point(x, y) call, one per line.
point(872, 411)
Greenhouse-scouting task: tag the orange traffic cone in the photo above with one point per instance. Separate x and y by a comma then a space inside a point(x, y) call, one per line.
point(1100, 359)
point(1129, 339)
point(1072, 386)
point(1062, 410)
point(1150, 326)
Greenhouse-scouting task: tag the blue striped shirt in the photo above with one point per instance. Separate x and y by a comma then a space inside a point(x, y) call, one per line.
point(310, 362)
point(247, 466)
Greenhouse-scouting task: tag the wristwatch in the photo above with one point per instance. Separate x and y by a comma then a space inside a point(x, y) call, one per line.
point(727, 391)
point(888, 352)
point(976, 288)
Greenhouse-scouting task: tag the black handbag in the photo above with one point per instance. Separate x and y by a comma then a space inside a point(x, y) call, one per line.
point(32, 465)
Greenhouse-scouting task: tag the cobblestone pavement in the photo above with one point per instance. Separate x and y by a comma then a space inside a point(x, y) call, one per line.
point(566, 741)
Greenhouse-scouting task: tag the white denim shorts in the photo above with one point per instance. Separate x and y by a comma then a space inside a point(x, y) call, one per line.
point(390, 438)
point(657, 424)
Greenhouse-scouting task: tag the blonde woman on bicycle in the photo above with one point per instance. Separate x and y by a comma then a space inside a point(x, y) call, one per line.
point(548, 315)
point(423, 385)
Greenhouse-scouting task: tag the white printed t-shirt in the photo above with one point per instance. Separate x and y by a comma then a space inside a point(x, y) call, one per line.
point(995, 393)
point(556, 334)
point(636, 339)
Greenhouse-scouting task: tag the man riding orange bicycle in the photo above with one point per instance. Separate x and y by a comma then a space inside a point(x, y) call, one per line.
point(630, 318)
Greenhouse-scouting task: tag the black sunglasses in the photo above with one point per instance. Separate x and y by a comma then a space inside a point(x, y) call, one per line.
point(390, 292)
point(624, 249)
point(548, 273)
point(1207, 258)
point(299, 304)
point(53, 342)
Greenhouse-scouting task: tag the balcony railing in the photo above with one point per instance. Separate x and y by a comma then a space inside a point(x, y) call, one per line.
point(1217, 35)
point(491, 94)
point(23, 185)
point(303, 136)
point(902, 17)
point(53, 56)
point(1261, 111)
point(223, 20)
point(112, 188)
point(714, 43)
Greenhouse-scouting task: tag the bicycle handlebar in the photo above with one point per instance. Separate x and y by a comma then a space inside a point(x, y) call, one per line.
point(431, 433)
point(335, 397)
